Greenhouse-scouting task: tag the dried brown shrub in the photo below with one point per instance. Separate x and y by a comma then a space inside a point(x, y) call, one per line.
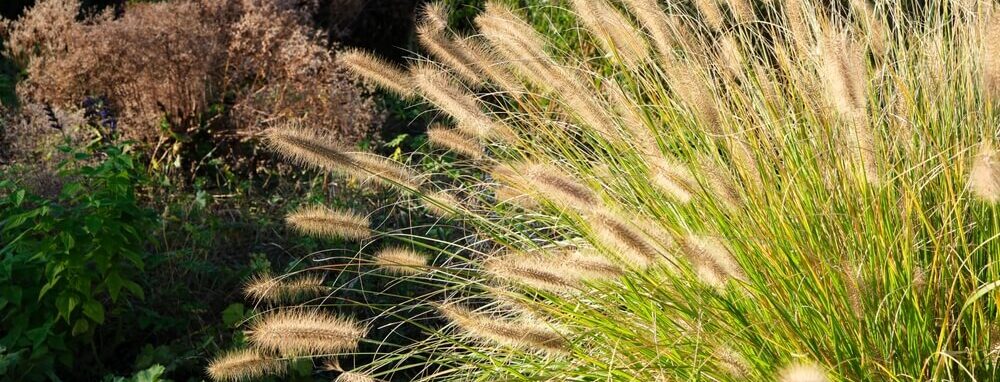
point(259, 58)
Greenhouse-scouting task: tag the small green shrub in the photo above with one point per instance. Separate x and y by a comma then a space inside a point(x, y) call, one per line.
point(65, 261)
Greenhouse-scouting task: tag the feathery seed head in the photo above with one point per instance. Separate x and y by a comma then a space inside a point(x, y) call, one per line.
point(802, 373)
point(625, 242)
point(244, 365)
point(712, 260)
point(308, 148)
point(710, 11)
point(673, 178)
point(384, 74)
point(451, 98)
point(400, 261)
point(534, 270)
point(518, 334)
point(455, 140)
point(435, 15)
point(984, 180)
point(557, 186)
point(304, 333)
point(445, 49)
point(442, 204)
point(349, 376)
point(991, 56)
point(614, 31)
point(264, 287)
point(323, 222)
point(732, 362)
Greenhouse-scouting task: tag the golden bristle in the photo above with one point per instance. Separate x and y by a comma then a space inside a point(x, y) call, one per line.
point(444, 48)
point(843, 73)
point(689, 82)
point(349, 376)
point(657, 24)
point(454, 140)
point(732, 362)
point(305, 333)
point(613, 30)
point(709, 9)
point(587, 264)
point(384, 74)
point(673, 178)
point(323, 222)
point(308, 148)
point(401, 261)
point(244, 365)
point(515, 39)
point(802, 373)
point(742, 10)
point(484, 57)
point(720, 184)
point(507, 194)
point(264, 287)
point(991, 56)
point(517, 334)
point(984, 179)
point(877, 35)
point(442, 204)
point(448, 96)
point(731, 56)
point(799, 33)
point(435, 15)
point(377, 168)
point(534, 270)
point(712, 260)
point(624, 241)
point(557, 186)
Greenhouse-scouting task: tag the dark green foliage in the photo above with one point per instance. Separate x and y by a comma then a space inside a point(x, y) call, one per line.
point(67, 261)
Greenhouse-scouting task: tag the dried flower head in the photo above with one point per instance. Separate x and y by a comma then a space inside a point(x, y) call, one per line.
point(445, 49)
point(244, 365)
point(301, 333)
point(984, 179)
point(350, 376)
point(519, 334)
point(991, 56)
point(532, 269)
point(460, 104)
point(623, 240)
point(712, 260)
point(384, 74)
point(265, 287)
point(454, 140)
point(308, 148)
point(557, 186)
point(614, 31)
point(324, 222)
point(401, 261)
point(802, 373)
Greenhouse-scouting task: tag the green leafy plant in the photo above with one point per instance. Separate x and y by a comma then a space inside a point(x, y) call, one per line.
point(65, 261)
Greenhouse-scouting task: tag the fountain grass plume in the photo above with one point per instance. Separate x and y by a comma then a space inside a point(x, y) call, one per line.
point(401, 261)
point(380, 72)
point(329, 223)
point(305, 332)
point(244, 365)
point(521, 334)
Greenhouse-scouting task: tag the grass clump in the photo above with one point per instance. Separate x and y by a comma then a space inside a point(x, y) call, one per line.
point(780, 191)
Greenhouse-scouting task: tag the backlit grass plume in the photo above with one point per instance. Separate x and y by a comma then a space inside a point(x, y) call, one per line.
point(265, 287)
point(401, 261)
point(700, 191)
point(301, 332)
point(245, 365)
point(323, 222)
